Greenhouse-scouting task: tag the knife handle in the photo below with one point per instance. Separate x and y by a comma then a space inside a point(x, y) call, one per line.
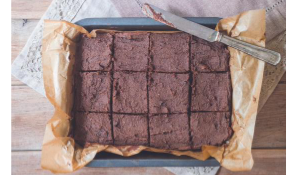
point(261, 53)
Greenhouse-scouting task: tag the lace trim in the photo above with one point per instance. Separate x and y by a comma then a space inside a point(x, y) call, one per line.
point(31, 66)
point(28, 68)
point(193, 170)
point(273, 6)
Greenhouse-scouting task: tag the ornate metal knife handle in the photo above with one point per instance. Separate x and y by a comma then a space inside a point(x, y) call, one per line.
point(261, 53)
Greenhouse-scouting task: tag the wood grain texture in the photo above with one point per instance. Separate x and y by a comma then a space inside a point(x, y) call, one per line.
point(16, 82)
point(270, 125)
point(270, 129)
point(21, 165)
point(30, 113)
point(29, 9)
point(266, 162)
point(283, 79)
point(20, 32)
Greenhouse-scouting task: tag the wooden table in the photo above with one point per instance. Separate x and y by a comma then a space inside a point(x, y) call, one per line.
point(31, 111)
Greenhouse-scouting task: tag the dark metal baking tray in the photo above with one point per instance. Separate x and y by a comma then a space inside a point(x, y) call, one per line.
point(131, 24)
point(144, 159)
point(149, 159)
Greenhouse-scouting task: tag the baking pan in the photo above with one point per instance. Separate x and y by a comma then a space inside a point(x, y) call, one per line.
point(149, 159)
point(144, 159)
point(131, 24)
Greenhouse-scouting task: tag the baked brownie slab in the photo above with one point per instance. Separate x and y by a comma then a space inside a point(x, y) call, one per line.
point(131, 51)
point(209, 56)
point(169, 131)
point(168, 93)
point(93, 91)
point(93, 128)
point(170, 52)
point(130, 92)
point(210, 128)
point(211, 92)
point(130, 129)
point(95, 53)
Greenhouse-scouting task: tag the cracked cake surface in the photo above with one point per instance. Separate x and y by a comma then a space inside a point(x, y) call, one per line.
point(211, 92)
point(95, 53)
point(130, 129)
point(131, 51)
point(169, 52)
point(93, 92)
point(210, 128)
point(209, 56)
point(169, 131)
point(130, 92)
point(168, 93)
point(163, 90)
point(93, 128)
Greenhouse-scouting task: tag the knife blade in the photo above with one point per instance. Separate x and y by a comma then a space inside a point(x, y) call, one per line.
point(179, 23)
point(208, 34)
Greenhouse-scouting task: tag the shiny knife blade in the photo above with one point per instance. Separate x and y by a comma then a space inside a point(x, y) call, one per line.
point(210, 35)
point(180, 23)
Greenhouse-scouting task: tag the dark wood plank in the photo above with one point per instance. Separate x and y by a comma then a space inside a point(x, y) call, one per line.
point(22, 165)
point(270, 129)
point(29, 9)
point(266, 162)
point(283, 79)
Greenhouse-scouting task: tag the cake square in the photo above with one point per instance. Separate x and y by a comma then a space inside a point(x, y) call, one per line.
point(95, 53)
point(130, 92)
point(209, 56)
point(131, 51)
point(211, 92)
point(168, 93)
point(169, 131)
point(93, 92)
point(93, 128)
point(169, 52)
point(130, 129)
point(182, 83)
point(210, 128)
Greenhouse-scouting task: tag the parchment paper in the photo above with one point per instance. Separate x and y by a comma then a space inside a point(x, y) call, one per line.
point(60, 154)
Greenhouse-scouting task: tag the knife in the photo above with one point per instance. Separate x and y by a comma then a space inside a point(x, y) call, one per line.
point(210, 35)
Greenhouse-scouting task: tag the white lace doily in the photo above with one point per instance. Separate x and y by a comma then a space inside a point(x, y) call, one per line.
point(27, 66)
point(193, 170)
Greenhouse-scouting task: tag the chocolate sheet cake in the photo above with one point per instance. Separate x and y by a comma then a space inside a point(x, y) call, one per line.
point(130, 129)
point(163, 90)
point(169, 52)
point(209, 57)
point(95, 53)
point(93, 128)
point(93, 92)
point(168, 93)
point(210, 128)
point(217, 90)
point(130, 92)
point(131, 51)
point(169, 131)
